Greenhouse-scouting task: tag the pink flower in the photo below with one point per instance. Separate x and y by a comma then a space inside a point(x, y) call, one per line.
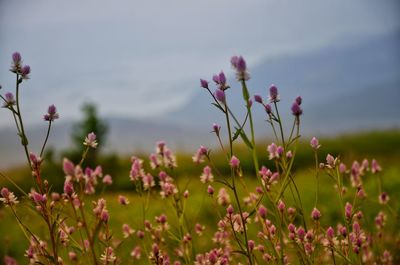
point(9, 100)
point(204, 83)
point(375, 167)
point(8, 198)
point(200, 155)
point(51, 114)
point(315, 214)
point(273, 94)
point(123, 200)
point(220, 95)
point(107, 180)
point(127, 230)
point(207, 176)
point(239, 64)
point(315, 144)
point(274, 151)
point(296, 109)
point(90, 140)
point(223, 197)
point(25, 71)
point(234, 162)
point(136, 252)
point(210, 190)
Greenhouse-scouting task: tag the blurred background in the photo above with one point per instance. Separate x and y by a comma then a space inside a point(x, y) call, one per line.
point(138, 64)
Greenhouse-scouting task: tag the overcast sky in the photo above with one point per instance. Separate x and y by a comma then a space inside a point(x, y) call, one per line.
point(141, 59)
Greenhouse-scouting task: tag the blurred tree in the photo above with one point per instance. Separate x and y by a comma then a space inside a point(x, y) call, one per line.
point(91, 122)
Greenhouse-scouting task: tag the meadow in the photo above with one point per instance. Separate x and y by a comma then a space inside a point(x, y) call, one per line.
point(284, 200)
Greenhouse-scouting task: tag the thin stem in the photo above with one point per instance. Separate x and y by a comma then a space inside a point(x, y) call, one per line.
point(280, 124)
point(45, 140)
point(15, 184)
point(24, 140)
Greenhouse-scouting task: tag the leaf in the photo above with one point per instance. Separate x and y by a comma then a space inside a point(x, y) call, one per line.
point(219, 107)
point(245, 139)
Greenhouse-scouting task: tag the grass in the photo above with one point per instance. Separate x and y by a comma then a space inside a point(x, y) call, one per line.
point(380, 145)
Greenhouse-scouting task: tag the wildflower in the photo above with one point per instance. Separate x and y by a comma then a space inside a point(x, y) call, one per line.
point(107, 180)
point(296, 110)
point(127, 230)
point(383, 198)
point(210, 190)
point(123, 200)
point(200, 155)
point(258, 99)
point(51, 114)
point(220, 95)
point(348, 210)
point(342, 168)
point(140, 234)
point(216, 129)
point(186, 194)
point(274, 151)
point(315, 144)
point(223, 197)
point(68, 187)
point(108, 255)
point(234, 162)
point(198, 228)
point(136, 252)
point(262, 211)
point(281, 206)
point(230, 209)
point(268, 109)
point(299, 100)
point(207, 176)
point(9, 100)
point(375, 167)
point(25, 71)
point(239, 64)
point(273, 94)
point(72, 256)
point(10, 261)
point(68, 167)
point(37, 197)
point(9, 198)
point(35, 160)
point(16, 62)
point(315, 214)
point(330, 161)
point(148, 181)
point(204, 83)
point(90, 140)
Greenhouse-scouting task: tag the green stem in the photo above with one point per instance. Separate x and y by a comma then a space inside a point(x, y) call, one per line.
point(24, 140)
point(45, 140)
point(280, 124)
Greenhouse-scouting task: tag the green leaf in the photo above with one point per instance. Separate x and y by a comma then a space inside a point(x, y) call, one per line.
point(245, 139)
point(219, 107)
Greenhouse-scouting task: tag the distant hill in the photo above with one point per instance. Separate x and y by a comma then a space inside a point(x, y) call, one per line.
point(346, 87)
point(126, 136)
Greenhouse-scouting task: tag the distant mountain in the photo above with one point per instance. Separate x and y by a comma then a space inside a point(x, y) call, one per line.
point(344, 87)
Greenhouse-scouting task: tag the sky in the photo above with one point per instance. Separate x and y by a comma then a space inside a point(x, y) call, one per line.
point(143, 59)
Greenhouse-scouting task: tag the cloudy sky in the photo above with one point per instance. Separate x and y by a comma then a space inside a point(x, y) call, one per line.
point(143, 59)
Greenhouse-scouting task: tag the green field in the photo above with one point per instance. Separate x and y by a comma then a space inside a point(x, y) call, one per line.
point(384, 146)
